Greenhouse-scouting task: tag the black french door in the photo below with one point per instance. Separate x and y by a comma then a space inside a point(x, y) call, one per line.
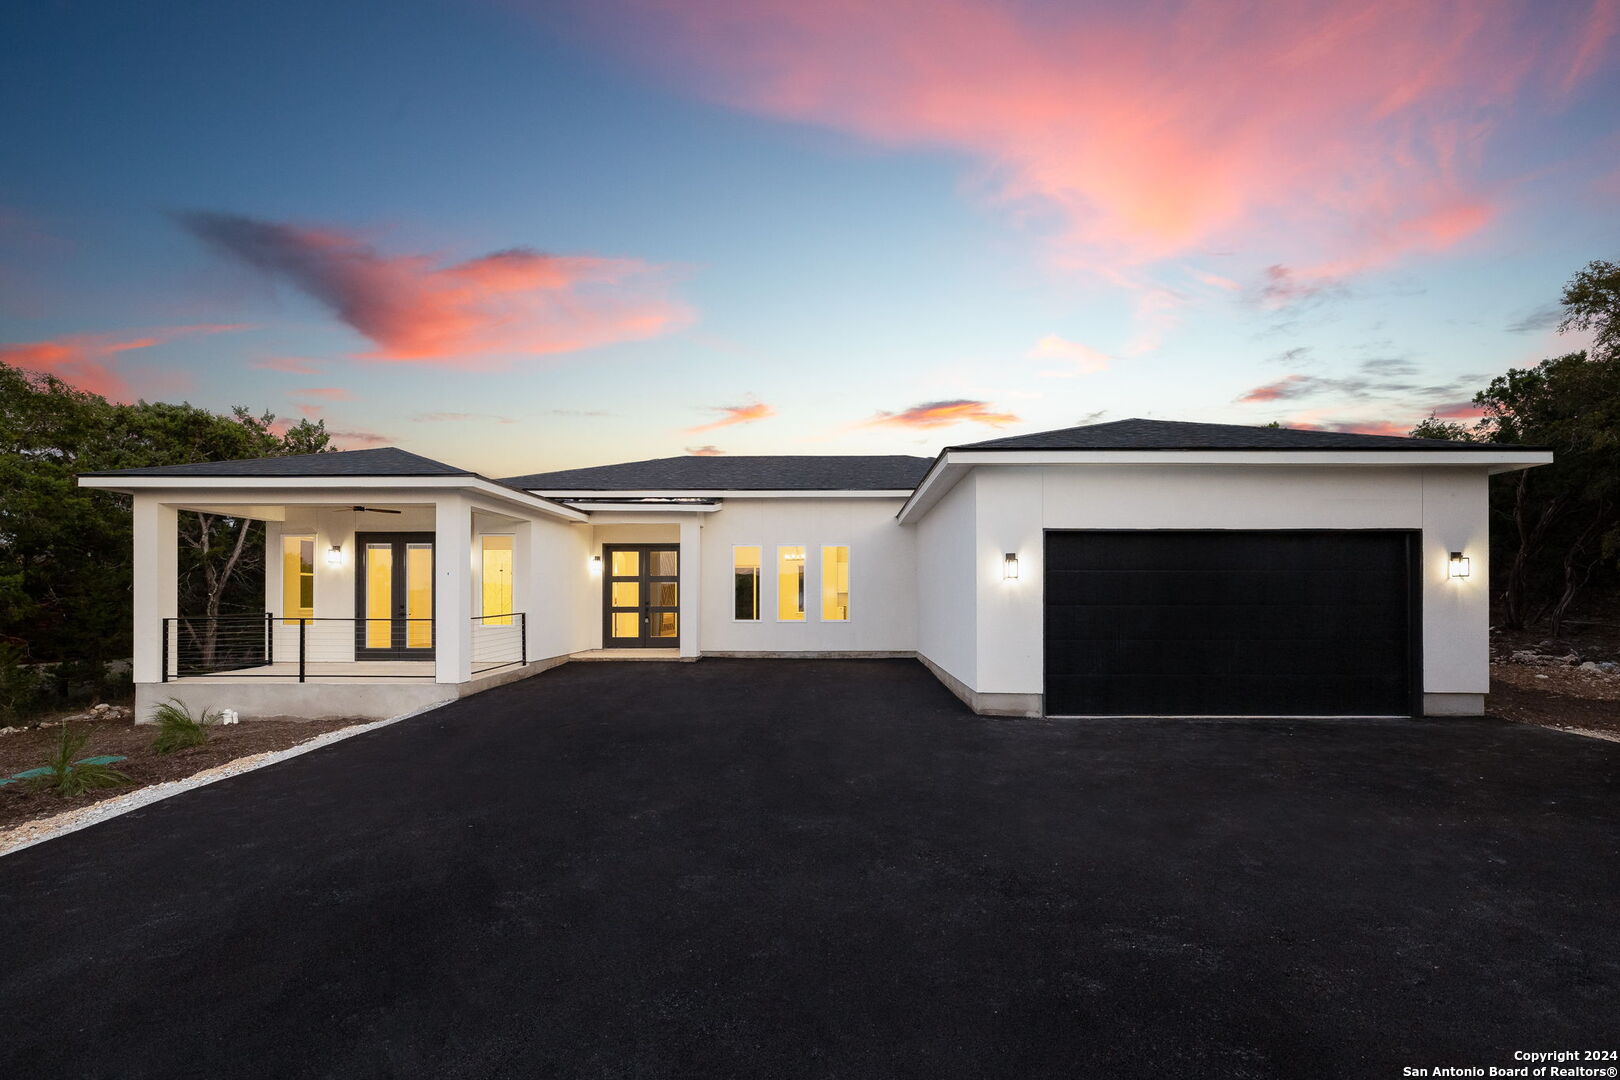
point(393, 596)
point(641, 596)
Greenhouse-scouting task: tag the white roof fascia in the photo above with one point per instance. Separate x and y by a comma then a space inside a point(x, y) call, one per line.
point(648, 508)
point(724, 493)
point(949, 467)
point(229, 488)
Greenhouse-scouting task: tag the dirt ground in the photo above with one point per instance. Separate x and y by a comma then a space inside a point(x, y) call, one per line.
point(1560, 697)
point(28, 749)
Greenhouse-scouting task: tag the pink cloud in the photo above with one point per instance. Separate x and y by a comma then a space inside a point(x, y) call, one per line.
point(735, 414)
point(1289, 386)
point(1462, 410)
point(89, 362)
point(326, 393)
point(705, 451)
point(1079, 359)
point(1216, 281)
point(1335, 137)
point(932, 414)
point(481, 312)
point(292, 365)
point(354, 440)
point(312, 411)
point(1308, 422)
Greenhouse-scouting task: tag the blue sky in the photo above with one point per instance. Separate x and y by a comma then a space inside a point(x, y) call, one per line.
point(846, 229)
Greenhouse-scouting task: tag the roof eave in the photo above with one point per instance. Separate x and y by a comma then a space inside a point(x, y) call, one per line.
point(565, 494)
point(261, 485)
point(953, 462)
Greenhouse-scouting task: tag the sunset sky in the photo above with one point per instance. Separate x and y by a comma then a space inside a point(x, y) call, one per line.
point(521, 236)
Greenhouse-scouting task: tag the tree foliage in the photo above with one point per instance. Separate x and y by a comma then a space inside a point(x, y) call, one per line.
point(1559, 525)
point(65, 551)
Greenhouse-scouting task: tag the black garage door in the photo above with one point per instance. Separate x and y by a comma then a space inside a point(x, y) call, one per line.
point(1230, 623)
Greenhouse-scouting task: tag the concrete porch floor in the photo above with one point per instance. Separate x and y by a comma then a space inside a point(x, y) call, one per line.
point(335, 672)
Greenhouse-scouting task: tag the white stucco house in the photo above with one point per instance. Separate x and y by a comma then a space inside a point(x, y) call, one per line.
point(1125, 569)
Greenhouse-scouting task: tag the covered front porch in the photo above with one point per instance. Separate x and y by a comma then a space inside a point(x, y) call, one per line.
point(380, 594)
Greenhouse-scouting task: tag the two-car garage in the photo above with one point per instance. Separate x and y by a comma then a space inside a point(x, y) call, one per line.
point(1232, 623)
point(1162, 568)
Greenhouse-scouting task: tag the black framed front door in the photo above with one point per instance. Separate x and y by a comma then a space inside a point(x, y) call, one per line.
point(641, 596)
point(393, 596)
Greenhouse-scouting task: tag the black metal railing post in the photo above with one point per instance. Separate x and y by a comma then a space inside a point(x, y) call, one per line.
point(165, 677)
point(269, 638)
point(523, 636)
point(303, 646)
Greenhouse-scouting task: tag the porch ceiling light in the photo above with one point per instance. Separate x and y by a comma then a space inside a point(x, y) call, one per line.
point(334, 555)
point(1009, 567)
point(1459, 566)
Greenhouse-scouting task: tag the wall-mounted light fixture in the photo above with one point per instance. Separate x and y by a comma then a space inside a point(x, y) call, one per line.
point(1459, 566)
point(334, 555)
point(1009, 567)
point(596, 564)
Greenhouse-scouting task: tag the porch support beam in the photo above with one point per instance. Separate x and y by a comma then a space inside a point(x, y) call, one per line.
point(452, 592)
point(156, 586)
point(691, 582)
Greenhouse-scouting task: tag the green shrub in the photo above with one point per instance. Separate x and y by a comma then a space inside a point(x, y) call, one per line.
point(22, 686)
point(68, 777)
point(178, 729)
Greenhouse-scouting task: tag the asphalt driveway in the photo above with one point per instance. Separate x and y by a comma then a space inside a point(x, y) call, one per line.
point(831, 869)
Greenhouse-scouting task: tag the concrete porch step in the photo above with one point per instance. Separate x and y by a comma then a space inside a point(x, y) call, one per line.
point(630, 654)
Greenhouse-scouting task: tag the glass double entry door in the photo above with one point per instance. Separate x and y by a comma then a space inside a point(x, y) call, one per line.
point(393, 596)
point(641, 596)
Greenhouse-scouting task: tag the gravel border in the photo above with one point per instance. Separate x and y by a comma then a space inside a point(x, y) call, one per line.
point(40, 830)
point(1590, 733)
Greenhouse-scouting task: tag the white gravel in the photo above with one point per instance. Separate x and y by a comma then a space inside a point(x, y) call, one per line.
point(38, 831)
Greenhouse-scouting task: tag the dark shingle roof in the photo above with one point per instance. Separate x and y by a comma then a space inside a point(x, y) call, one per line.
point(1180, 435)
point(382, 461)
point(781, 473)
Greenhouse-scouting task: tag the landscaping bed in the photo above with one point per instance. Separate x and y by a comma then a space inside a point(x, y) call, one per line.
point(113, 733)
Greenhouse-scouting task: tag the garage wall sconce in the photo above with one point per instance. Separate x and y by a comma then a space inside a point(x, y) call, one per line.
point(1009, 567)
point(334, 556)
point(1459, 566)
point(596, 564)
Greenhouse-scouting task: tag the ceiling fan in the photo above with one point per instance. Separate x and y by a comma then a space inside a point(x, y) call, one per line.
point(374, 510)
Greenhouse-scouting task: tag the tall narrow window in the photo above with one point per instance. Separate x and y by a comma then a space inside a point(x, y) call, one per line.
point(745, 583)
point(835, 584)
point(497, 562)
point(790, 583)
point(297, 578)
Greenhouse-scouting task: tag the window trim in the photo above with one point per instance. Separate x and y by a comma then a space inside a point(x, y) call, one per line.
point(821, 575)
point(314, 574)
point(759, 582)
point(804, 578)
point(482, 614)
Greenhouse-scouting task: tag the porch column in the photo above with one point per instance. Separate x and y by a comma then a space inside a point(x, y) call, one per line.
point(691, 581)
point(156, 586)
point(452, 589)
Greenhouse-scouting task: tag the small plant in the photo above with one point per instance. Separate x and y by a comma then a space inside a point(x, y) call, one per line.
point(178, 729)
point(68, 777)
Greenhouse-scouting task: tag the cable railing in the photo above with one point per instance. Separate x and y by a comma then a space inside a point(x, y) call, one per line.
point(303, 647)
point(499, 640)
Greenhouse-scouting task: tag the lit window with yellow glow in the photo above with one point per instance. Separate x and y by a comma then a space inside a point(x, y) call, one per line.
point(297, 578)
point(497, 610)
point(835, 584)
point(745, 568)
point(790, 583)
